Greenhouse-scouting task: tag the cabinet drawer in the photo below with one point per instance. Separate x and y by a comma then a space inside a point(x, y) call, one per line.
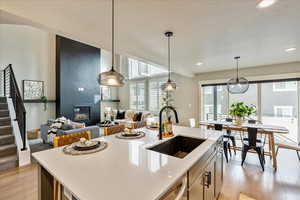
point(199, 166)
point(174, 191)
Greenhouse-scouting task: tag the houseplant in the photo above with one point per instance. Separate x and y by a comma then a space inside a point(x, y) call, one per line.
point(240, 110)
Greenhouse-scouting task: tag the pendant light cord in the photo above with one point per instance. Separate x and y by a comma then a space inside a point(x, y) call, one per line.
point(169, 58)
point(113, 35)
point(237, 67)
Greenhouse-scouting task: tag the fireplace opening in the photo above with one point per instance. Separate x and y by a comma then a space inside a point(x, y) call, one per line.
point(82, 113)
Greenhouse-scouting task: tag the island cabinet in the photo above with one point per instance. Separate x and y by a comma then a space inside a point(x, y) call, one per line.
point(206, 176)
point(204, 179)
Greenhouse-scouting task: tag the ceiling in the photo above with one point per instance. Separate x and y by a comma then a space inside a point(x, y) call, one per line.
point(208, 31)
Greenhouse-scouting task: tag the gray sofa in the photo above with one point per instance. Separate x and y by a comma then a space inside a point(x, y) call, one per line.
point(95, 130)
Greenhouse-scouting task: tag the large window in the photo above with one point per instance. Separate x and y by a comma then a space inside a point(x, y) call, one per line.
point(279, 106)
point(145, 81)
point(139, 69)
point(276, 103)
point(155, 94)
point(137, 96)
point(208, 103)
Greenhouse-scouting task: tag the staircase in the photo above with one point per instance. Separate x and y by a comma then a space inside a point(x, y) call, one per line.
point(8, 148)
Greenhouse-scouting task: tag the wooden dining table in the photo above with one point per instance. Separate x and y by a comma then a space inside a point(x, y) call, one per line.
point(268, 130)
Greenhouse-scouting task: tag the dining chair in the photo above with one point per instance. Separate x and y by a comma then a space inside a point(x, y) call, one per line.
point(251, 143)
point(226, 143)
point(229, 136)
point(290, 147)
point(59, 141)
point(113, 129)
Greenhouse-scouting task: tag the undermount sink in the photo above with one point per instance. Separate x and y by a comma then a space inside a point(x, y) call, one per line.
point(179, 146)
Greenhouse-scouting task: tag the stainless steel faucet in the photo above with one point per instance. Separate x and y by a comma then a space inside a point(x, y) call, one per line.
point(160, 119)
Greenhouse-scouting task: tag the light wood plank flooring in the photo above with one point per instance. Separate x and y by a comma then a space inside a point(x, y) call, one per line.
point(21, 184)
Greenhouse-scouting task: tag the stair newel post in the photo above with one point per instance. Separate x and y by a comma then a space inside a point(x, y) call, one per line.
point(4, 82)
point(24, 131)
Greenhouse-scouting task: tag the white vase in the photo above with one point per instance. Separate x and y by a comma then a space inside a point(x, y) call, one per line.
point(239, 121)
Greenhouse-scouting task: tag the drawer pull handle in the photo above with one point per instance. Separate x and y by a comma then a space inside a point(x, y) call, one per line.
point(182, 189)
point(207, 181)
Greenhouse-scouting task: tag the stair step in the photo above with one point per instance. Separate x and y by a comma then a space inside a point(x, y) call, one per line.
point(3, 100)
point(6, 130)
point(5, 121)
point(7, 139)
point(6, 150)
point(4, 113)
point(8, 162)
point(3, 106)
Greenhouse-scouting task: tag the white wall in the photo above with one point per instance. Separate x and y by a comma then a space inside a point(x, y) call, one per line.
point(31, 53)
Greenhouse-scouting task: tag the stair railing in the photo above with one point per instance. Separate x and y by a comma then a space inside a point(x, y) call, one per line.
point(11, 90)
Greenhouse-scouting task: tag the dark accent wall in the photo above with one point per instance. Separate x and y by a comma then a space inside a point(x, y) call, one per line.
point(77, 66)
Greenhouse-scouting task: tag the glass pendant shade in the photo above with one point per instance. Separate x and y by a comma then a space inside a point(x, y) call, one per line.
point(111, 78)
point(238, 85)
point(169, 86)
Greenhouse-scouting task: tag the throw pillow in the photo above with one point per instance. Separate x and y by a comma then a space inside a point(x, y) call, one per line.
point(138, 117)
point(120, 115)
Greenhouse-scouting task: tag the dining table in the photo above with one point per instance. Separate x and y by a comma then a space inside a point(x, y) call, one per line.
point(268, 130)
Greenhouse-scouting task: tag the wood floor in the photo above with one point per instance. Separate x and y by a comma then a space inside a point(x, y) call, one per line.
point(21, 184)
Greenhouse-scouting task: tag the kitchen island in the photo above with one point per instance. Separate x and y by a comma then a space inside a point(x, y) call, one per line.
point(128, 170)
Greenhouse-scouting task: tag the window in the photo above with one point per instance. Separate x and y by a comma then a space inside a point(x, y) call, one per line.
point(208, 102)
point(139, 69)
point(137, 96)
point(284, 86)
point(280, 109)
point(283, 111)
point(273, 106)
point(155, 94)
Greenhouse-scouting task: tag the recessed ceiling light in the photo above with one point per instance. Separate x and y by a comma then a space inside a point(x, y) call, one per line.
point(290, 49)
point(265, 3)
point(199, 63)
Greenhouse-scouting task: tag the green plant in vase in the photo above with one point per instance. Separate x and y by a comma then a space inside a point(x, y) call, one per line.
point(240, 110)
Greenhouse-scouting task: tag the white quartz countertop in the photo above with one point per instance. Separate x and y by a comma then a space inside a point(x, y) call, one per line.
point(125, 169)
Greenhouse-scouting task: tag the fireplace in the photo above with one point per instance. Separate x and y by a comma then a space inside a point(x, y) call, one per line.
point(82, 113)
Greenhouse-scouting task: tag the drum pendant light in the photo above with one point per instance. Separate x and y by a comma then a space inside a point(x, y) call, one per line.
point(238, 85)
point(112, 77)
point(169, 86)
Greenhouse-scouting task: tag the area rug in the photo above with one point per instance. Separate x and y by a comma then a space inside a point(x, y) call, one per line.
point(245, 197)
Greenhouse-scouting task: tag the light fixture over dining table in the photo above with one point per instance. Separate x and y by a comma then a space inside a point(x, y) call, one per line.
point(237, 85)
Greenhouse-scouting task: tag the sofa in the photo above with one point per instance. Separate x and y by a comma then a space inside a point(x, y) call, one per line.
point(95, 131)
point(128, 119)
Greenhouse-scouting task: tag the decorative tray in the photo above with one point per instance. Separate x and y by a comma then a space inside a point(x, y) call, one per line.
point(71, 149)
point(79, 146)
point(130, 135)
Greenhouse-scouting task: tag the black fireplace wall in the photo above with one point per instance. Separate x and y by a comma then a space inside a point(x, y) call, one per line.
point(77, 67)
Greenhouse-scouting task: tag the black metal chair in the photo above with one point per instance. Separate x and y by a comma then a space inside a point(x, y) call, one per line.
point(229, 136)
point(226, 143)
point(251, 143)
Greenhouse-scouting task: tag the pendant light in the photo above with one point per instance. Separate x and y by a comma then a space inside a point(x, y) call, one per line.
point(112, 77)
point(238, 85)
point(169, 86)
point(265, 3)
